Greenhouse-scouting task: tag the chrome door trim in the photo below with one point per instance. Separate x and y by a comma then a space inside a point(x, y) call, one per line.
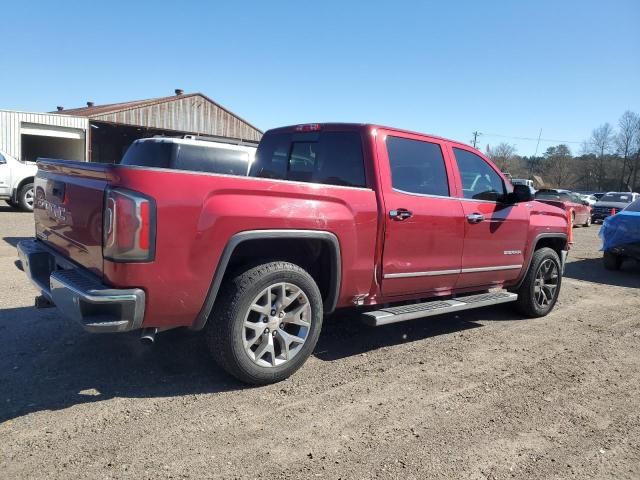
point(491, 269)
point(434, 273)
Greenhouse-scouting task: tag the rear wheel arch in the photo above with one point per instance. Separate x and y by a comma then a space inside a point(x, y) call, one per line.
point(318, 252)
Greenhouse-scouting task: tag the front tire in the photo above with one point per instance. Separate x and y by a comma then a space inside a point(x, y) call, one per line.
point(541, 286)
point(265, 323)
point(26, 197)
point(612, 261)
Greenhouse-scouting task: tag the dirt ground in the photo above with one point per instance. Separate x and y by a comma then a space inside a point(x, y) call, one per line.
point(483, 394)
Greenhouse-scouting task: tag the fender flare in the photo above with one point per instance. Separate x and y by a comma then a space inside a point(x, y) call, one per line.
point(327, 237)
point(559, 235)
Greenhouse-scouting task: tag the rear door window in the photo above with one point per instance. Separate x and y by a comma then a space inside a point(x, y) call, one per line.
point(333, 158)
point(417, 166)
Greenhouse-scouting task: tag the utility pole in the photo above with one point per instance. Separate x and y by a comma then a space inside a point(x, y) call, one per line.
point(475, 138)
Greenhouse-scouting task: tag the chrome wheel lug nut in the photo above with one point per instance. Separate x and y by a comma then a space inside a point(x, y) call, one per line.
point(281, 326)
point(281, 315)
point(266, 330)
point(274, 333)
point(273, 313)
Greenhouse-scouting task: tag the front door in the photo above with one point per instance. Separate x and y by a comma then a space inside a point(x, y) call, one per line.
point(495, 232)
point(5, 177)
point(423, 224)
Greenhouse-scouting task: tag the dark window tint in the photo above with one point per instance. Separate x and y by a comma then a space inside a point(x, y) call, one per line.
point(479, 180)
point(633, 207)
point(211, 159)
point(149, 154)
point(417, 167)
point(553, 195)
point(617, 197)
point(328, 157)
point(271, 157)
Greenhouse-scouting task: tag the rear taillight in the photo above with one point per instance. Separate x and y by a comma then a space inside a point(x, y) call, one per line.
point(129, 227)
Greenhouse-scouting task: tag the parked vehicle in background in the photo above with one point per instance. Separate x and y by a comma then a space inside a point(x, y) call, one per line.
point(572, 203)
point(598, 195)
point(522, 181)
point(590, 199)
point(199, 154)
point(16, 181)
point(612, 202)
point(331, 216)
point(620, 235)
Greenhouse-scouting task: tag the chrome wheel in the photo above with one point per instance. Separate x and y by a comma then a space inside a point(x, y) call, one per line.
point(28, 198)
point(546, 283)
point(277, 324)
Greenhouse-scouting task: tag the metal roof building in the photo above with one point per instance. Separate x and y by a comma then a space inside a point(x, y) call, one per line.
point(115, 126)
point(27, 135)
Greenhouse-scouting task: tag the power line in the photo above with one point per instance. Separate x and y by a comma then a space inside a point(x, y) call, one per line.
point(531, 139)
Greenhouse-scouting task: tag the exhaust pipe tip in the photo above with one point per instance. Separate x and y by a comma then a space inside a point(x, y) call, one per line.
point(148, 336)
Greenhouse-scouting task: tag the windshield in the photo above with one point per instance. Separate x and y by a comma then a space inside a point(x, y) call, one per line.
point(616, 197)
point(557, 196)
point(633, 207)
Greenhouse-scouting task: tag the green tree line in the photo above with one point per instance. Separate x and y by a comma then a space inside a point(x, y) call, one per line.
point(608, 160)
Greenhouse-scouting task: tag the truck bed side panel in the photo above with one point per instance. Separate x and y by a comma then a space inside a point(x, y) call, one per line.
point(198, 214)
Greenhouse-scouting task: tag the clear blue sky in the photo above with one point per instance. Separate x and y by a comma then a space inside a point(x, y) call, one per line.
point(447, 68)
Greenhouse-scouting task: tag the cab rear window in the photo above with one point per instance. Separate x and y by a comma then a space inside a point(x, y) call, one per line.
point(333, 158)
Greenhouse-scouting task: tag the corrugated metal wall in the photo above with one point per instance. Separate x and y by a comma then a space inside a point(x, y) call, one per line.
point(193, 114)
point(10, 122)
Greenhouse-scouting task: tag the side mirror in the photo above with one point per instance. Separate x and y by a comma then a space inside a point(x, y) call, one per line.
point(521, 193)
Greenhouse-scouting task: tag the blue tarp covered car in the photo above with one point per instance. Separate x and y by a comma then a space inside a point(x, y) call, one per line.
point(620, 235)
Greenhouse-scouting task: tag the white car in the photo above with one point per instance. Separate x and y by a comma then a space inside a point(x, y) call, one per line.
point(16, 181)
point(590, 199)
point(203, 154)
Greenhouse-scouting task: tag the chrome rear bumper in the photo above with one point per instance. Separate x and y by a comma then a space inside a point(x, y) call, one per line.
point(78, 293)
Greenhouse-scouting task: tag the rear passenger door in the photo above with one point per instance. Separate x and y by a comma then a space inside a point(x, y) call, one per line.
point(495, 233)
point(424, 226)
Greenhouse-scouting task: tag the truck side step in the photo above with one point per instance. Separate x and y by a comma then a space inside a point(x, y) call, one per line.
point(435, 307)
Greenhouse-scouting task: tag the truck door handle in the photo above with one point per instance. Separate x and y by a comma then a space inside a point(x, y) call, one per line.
point(400, 214)
point(475, 218)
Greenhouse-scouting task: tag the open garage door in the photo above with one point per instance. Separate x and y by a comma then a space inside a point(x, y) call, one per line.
point(52, 142)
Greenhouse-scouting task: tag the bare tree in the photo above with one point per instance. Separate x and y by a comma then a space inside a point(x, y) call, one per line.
point(503, 156)
point(636, 164)
point(626, 142)
point(601, 143)
point(559, 166)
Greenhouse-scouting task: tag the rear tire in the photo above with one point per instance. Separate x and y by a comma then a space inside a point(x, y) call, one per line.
point(612, 261)
point(541, 286)
point(26, 197)
point(265, 323)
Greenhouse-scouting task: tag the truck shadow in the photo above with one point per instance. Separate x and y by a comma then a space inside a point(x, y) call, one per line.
point(592, 270)
point(49, 363)
point(13, 241)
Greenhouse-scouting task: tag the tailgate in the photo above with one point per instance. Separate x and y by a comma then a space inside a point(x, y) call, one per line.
point(68, 209)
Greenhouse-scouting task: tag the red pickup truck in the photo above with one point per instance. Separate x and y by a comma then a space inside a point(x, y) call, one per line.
point(398, 224)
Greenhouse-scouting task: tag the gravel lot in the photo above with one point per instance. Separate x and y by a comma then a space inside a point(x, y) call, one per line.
point(482, 394)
